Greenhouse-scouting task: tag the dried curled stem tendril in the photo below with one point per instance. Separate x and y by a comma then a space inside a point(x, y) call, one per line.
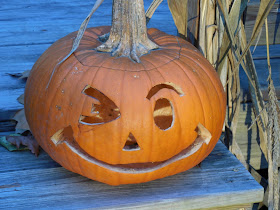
point(83, 27)
point(78, 38)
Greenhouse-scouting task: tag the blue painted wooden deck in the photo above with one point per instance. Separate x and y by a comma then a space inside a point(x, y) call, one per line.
point(27, 182)
point(27, 29)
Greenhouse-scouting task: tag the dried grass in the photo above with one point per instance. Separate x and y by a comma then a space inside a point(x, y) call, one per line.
point(213, 26)
point(221, 38)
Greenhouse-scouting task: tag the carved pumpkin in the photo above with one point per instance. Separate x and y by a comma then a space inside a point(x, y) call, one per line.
point(119, 122)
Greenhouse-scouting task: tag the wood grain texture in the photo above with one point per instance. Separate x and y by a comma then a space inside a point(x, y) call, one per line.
point(28, 28)
point(234, 207)
point(28, 182)
point(43, 22)
point(273, 22)
point(249, 140)
point(260, 62)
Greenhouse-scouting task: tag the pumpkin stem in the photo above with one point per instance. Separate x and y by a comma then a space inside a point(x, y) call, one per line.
point(128, 36)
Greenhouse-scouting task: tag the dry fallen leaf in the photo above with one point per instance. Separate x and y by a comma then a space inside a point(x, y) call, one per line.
point(22, 75)
point(25, 74)
point(22, 124)
point(14, 74)
point(20, 99)
point(28, 141)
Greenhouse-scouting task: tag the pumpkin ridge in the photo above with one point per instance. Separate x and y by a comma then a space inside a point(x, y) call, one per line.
point(37, 78)
point(100, 32)
point(150, 85)
point(51, 102)
point(167, 39)
point(214, 84)
point(162, 48)
point(114, 69)
point(86, 54)
point(176, 111)
point(66, 119)
point(104, 84)
point(162, 38)
point(92, 81)
point(89, 39)
point(219, 90)
point(185, 73)
point(204, 90)
point(212, 78)
point(155, 68)
point(121, 106)
point(83, 102)
point(48, 116)
point(34, 101)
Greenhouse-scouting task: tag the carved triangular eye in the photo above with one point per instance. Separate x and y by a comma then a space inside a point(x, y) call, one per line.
point(131, 143)
point(104, 112)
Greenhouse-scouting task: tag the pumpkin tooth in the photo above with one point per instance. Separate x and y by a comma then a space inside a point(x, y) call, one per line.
point(203, 133)
point(64, 134)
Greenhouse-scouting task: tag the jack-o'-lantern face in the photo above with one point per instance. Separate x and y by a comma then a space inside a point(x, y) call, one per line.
point(104, 110)
point(119, 122)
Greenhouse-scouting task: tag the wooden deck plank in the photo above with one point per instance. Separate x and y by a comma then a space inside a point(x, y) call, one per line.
point(249, 140)
point(47, 21)
point(23, 160)
point(221, 180)
point(273, 22)
point(260, 52)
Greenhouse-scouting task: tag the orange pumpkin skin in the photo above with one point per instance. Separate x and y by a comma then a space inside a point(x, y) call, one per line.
point(98, 152)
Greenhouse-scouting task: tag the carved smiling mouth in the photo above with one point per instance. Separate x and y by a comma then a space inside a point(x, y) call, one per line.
point(65, 136)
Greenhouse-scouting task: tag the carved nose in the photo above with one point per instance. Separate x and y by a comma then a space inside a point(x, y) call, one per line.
point(131, 143)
